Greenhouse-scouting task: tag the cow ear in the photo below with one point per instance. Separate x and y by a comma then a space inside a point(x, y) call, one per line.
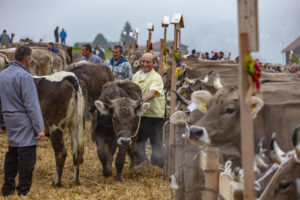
point(142, 108)
point(101, 107)
point(257, 104)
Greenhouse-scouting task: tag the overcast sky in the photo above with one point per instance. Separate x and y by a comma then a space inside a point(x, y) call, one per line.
point(209, 24)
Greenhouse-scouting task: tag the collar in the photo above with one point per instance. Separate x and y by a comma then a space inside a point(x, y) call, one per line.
point(18, 64)
point(119, 62)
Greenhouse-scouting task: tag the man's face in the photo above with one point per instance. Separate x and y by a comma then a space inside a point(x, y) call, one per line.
point(147, 63)
point(49, 46)
point(84, 51)
point(116, 54)
point(98, 47)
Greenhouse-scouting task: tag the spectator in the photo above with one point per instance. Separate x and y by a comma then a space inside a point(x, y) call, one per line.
point(86, 52)
point(198, 55)
point(119, 65)
point(152, 121)
point(215, 56)
point(186, 54)
point(193, 55)
point(21, 117)
point(221, 55)
point(203, 56)
point(5, 39)
point(98, 51)
point(56, 34)
point(237, 59)
point(52, 48)
point(207, 55)
point(63, 36)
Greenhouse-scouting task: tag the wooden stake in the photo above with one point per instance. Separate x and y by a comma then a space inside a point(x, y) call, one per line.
point(161, 57)
point(135, 42)
point(247, 139)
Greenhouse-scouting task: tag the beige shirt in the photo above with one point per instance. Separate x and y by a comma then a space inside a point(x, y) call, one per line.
point(152, 81)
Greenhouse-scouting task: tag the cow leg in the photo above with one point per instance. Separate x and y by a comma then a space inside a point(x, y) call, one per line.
point(105, 156)
point(120, 159)
point(131, 151)
point(93, 123)
point(57, 141)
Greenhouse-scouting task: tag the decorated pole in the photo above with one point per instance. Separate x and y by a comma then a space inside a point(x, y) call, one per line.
point(137, 30)
point(130, 43)
point(163, 45)
point(177, 20)
point(248, 41)
point(150, 28)
point(123, 42)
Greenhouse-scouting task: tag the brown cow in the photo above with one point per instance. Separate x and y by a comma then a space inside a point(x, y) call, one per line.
point(62, 104)
point(118, 124)
point(277, 112)
point(94, 76)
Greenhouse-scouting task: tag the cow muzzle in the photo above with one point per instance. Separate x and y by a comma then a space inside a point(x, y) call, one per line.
point(199, 135)
point(124, 141)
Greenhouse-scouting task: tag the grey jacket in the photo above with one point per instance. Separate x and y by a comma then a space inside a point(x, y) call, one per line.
point(93, 59)
point(20, 110)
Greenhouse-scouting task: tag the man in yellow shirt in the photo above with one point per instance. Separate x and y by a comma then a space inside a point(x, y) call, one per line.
point(152, 120)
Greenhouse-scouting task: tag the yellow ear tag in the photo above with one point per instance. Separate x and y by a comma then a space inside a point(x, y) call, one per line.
point(184, 94)
point(253, 109)
point(180, 120)
point(202, 107)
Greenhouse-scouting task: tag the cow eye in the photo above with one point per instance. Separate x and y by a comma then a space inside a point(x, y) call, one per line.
point(229, 110)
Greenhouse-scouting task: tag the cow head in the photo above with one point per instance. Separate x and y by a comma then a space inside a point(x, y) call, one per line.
point(126, 114)
point(220, 125)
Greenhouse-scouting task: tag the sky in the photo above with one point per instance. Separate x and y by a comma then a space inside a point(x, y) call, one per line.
point(210, 25)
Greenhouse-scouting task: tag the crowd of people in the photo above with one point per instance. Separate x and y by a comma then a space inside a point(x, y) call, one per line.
point(206, 56)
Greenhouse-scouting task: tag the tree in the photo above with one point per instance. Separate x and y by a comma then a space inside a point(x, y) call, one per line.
point(127, 28)
point(100, 39)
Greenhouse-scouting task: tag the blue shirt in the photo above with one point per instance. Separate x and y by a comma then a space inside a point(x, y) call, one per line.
point(93, 59)
point(20, 110)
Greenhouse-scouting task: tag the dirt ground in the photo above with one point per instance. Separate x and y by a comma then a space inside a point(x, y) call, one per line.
point(142, 182)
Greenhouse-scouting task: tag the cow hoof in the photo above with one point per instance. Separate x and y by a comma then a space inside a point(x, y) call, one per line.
point(118, 178)
point(76, 183)
point(106, 173)
point(56, 184)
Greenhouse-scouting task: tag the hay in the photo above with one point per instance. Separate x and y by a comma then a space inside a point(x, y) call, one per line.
point(142, 182)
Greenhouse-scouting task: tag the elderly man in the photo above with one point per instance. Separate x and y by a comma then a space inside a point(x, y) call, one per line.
point(21, 116)
point(86, 52)
point(152, 120)
point(119, 65)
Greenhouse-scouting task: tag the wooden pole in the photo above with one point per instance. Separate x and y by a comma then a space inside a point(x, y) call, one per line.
point(173, 87)
point(179, 41)
point(247, 143)
point(135, 42)
point(248, 41)
point(161, 57)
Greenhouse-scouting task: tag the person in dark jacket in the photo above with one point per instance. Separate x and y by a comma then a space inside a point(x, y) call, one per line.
point(56, 35)
point(52, 48)
point(21, 118)
point(98, 51)
point(193, 55)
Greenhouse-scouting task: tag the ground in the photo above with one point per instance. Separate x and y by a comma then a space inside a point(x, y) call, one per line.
point(142, 182)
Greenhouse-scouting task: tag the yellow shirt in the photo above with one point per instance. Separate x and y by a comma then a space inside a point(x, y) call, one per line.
point(152, 81)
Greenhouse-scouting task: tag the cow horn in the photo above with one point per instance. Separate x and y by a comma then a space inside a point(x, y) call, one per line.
point(205, 80)
point(180, 98)
point(276, 154)
point(259, 148)
point(189, 81)
point(217, 82)
point(295, 140)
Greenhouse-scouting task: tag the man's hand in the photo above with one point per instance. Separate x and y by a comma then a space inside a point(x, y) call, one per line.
point(40, 136)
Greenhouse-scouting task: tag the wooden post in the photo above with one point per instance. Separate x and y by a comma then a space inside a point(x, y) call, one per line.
point(149, 41)
point(135, 42)
point(290, 57)
point(161, 57)
point(248, 41)
point(12, 35)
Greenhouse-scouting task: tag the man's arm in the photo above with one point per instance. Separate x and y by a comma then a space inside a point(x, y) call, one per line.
point(32, 105)
point(150, 95)
point(1, 117)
